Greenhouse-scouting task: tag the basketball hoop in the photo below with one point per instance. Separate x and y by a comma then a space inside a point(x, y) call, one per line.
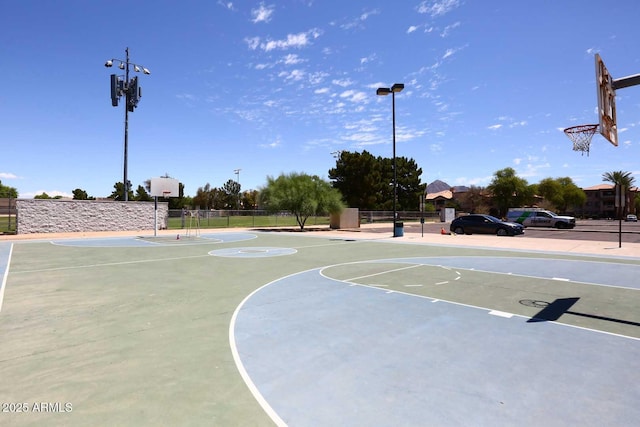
point(581, 136)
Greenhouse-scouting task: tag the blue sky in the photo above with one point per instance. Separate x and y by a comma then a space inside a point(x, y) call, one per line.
point(273, 87)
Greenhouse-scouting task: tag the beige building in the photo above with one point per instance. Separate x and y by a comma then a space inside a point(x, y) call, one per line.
point(601, 202)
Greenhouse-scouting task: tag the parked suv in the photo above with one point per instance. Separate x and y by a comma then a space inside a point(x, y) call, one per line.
point(537, 217)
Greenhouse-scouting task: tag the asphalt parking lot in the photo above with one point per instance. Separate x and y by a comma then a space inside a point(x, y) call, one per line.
point(597, 230)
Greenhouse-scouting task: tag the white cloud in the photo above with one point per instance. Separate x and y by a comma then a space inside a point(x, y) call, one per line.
point(252, 42)
point(452, 51)
point(294, 75)
point(377, 85)
point(291, 41)
point(367, 59)
point(360, 19)
point(437, 8)
point(274, 144)
point(262, 13)
point(412, 28)
point(533, 170)
point(448, 28)
point(321, 90)
point(7, 175)
point(520, 123)
point(227, 4)
point(50, 193)
point(435, 147)
point(186, 96)
point(494, 127)
point(479, 181)
point(291, 59)
point(354, 96)
point(317, 77)
point(342, 82)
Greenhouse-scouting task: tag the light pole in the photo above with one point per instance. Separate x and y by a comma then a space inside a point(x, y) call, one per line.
point(237, 172)
point(397, 87)
point(132, 92)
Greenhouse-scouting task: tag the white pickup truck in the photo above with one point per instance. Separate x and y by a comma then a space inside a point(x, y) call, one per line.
point(537, 217)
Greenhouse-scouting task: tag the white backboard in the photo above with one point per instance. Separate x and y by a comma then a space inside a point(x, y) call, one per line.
point(606, 102)
point(164, 187)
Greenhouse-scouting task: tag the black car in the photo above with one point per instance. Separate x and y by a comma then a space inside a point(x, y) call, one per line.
point(485, 224)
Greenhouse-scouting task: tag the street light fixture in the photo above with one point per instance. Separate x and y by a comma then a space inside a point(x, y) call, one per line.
point(397, 87)
point(237, 172)
point(132, 92)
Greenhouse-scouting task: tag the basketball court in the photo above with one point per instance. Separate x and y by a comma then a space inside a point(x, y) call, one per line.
point(239, 328)
point(318, 328)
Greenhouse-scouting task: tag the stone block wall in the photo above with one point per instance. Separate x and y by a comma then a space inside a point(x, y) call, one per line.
point(62, 216)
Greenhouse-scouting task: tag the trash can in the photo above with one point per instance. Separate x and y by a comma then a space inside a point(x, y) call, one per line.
point(398, 229)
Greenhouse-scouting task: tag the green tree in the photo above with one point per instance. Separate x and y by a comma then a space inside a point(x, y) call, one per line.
point(79, 194)
point(118, 192)
point(621, 179)
point(551, 190)
point(249, 199)
point(366, 182)
point(7, 192)
point(180, 201)
point(209, 198)
point(142, 195)
point(572, 195)
point(561, 193)
point(201, 199)
point(42, 196)
point(231, 191)
point(358, 176)
point(509, 190)
point(474, 200)
point(409, 190)
point(302, 195)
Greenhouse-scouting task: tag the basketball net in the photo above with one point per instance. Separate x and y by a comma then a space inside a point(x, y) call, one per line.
point(581, 137)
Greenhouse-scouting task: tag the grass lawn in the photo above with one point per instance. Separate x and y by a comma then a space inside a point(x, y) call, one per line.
point(7, 224)
point(246, 221)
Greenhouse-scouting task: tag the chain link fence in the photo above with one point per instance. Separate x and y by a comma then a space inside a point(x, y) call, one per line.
point(7, 216)
point(181, 219)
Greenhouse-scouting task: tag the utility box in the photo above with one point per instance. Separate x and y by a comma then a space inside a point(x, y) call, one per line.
point(348, 218)
point(447, 214)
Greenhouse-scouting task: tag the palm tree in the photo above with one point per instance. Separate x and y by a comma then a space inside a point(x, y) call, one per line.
point(622, 179)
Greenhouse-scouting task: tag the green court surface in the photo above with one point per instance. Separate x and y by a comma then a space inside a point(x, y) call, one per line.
point(136, 331)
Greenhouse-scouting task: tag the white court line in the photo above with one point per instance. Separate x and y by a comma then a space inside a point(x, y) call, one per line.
point(240, 366)
point(501, 314)
point(5, 276)
point(384, 272)
point(560, 279)
point(109, 264)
